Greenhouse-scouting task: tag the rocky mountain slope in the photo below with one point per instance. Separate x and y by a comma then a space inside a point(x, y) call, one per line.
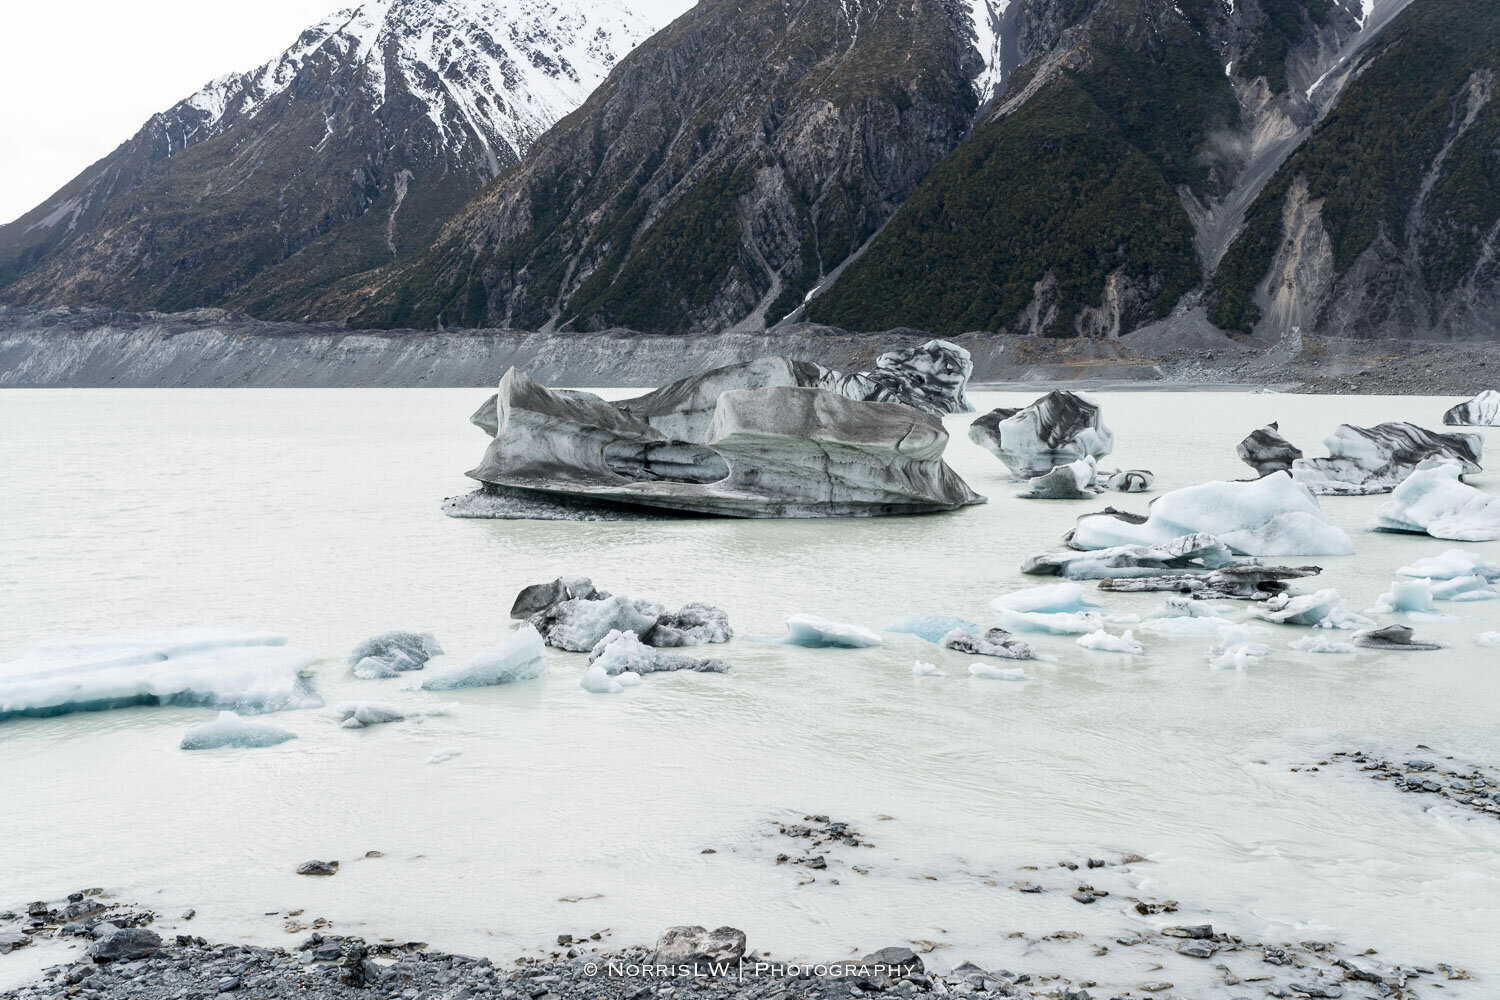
point(348, 150)
point(721, 170)
point(1385, 223)
point(1100, 192)
point(1041, 167)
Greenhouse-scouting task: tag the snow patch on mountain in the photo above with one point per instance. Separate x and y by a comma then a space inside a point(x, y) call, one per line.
point(990, 24)
point(501, 70)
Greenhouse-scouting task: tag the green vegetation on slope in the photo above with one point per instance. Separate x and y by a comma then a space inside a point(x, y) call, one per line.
point(1054, 188)
point(1367, 159)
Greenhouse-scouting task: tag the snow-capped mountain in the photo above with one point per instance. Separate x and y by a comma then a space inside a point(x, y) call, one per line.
point(359, 140)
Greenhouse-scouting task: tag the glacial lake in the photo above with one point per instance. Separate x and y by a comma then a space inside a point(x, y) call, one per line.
point(316, 513)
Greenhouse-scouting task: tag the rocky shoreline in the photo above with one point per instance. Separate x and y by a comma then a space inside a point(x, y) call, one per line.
point(108, 949)
point(78, 347)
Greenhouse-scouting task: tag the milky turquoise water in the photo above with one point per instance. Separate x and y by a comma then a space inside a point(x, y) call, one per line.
point(316, 513)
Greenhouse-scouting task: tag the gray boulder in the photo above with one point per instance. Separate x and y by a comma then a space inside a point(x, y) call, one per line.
point(125, 945)
point(541, 596)
point(694, 946)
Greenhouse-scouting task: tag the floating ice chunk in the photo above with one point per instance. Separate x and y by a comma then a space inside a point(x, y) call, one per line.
point(229, 730)
point(694, 624)
point(622, 652)
point(1394, 637)
point(1321, 644)
point(1178, 606)
point(442, 754)
point(359, 714)
point(930, 627)
point(596, 680)
point(1271, 516)
point(1464, 588)
point(1194, 553)
point(1405, 595)
point(1266, 451)
point(920, 669)
point(1364, 460)
point(815, 633)
point(250, 672)
point(1052, 623)
point(1434, 502)
point(628, 679)
point(994, 642)
point(578, 624)
point(1183, 625)
point(1487, 639)
point(1481, 411)
point(1074, 481)
point(990, 672)
point(1051, 597)
point(1451, 565)
point(522, 657)
point(392, 653)
point(1056, 429)
point(1130, 480)
point(1236, 649)
point(1324, 609)
point(1106, 643)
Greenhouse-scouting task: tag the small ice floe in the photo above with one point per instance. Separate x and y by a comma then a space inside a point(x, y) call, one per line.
point(250, 672)
point(571, 613)
point(930, 627)
point(392, 653)
point(1321, 644)
point(1074, 481)
point(994, 642)
point(1237, 648)
point(522, 657)
point(1481, 411)
point(1451, 565)
point(1411, 597)
point(813, 632)
point(442, 754)
point(578, 624)
point(359, 714)
point(1434, 502)
point(1266, 451)
point(1183, 625)
point(1052, 622)
point(1052, 597)
point(1271, 516)
point(920, 669)
point(229, 730)
point(622, 652)
point(1393, 637)
point(598, 681)
point(1487, 639)
point(1463, 589)
point(1103, 642)
point(990, 672)
point(1190, 553)
point(1323, 609)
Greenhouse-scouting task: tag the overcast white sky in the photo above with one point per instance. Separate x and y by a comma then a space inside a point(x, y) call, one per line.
point(78, 77)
